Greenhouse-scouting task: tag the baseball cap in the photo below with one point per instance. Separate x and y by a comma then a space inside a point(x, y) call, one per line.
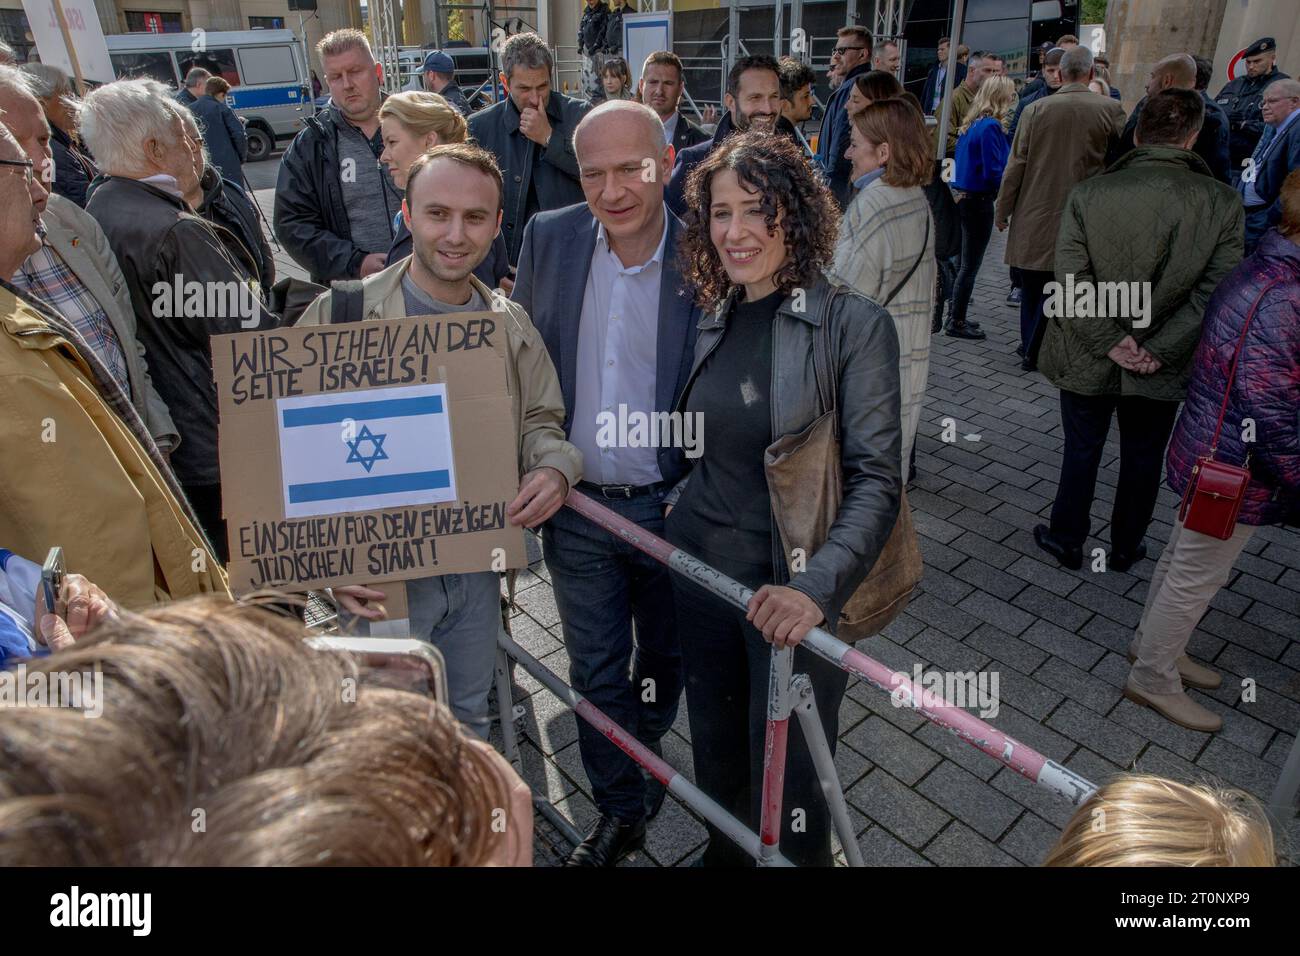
point(439, 62)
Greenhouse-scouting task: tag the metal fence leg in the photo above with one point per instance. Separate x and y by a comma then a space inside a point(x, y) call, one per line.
point(806, 710)
point(778, 730)
point(506, 709)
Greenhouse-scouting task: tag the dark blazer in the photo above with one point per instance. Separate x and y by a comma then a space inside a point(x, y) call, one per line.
point(932, 86)
point(554, 263)
point(552, 172)
point(1211, 143)
point(687, 134)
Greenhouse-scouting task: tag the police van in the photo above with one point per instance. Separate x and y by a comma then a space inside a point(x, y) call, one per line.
point(270, 84)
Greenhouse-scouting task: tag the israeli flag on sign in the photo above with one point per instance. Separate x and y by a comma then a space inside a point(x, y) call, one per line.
point(362, 450)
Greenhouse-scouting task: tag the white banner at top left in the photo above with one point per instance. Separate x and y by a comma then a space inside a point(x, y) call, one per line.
point(84, 31)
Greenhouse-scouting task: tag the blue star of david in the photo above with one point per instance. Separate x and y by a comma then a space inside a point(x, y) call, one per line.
point(377, 443)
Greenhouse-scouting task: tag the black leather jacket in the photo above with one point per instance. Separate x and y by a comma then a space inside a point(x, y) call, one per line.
point(592, 27)
point(866, 346)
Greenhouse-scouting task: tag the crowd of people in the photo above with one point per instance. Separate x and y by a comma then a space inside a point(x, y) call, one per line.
point(740, 276)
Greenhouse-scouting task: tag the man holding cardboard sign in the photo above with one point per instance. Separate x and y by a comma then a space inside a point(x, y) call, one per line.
point(453, 209)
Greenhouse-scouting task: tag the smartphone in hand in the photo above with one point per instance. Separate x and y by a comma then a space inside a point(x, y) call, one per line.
point(53, 573)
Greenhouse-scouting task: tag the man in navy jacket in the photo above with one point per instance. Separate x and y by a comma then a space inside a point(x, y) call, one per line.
point(1277, 153)
point(602, 286)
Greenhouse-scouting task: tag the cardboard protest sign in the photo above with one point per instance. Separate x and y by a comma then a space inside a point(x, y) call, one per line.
point(363, 452)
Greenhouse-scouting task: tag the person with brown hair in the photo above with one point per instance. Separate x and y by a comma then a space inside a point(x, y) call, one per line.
point(869, 87)
point(1141, 820)
point(453, 207)
point(293, 759)
point(761, 229)
point(616, 78)
point(886, 241)
point(660, 88)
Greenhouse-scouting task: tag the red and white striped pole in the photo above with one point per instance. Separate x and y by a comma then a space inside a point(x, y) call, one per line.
point(1021, 758)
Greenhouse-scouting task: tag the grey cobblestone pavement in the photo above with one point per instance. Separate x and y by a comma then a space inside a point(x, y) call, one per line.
point(990, 600)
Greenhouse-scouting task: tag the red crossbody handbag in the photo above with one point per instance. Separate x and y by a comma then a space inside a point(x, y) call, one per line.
point(1216, 490)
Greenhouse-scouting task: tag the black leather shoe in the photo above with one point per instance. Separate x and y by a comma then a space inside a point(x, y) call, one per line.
point(610, 840)
point(1122, 562)
point(654, 790)
point(1014, 296)
point(1071, 558)
point(1027, 366)
point(966, 331)
point(936, 325)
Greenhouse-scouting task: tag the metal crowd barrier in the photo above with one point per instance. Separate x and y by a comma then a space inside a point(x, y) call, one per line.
point(788, 693)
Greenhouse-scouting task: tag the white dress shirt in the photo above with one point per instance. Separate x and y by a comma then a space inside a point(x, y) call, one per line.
point(618, 343)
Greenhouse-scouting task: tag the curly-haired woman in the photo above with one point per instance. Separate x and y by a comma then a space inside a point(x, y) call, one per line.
point(760, 228)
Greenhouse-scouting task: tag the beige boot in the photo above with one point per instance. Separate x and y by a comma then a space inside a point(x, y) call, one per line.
point(1192, 673)
point(1179, 708)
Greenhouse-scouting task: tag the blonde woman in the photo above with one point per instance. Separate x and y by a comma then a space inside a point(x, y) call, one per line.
point(411, 123)
point(982, 152)
point(1140, 820)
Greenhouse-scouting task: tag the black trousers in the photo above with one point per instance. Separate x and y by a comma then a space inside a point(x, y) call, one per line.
point(976, 215)
point(1033, 326)
point(206, 501)
point(1144, 428)
point(726, 663)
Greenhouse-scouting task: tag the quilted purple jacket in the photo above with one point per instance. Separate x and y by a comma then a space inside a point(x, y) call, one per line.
point(1266, 389)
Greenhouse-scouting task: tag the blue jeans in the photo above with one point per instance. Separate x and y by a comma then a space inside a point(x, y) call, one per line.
point(603, 587)
point(460, 614)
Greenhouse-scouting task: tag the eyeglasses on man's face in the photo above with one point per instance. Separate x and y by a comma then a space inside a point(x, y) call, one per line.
point(841, 50)
point(25, 165)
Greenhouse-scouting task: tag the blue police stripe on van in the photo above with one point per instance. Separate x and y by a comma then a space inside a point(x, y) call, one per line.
point(260, 97)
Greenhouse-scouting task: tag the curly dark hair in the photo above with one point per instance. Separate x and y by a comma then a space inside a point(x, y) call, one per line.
point(774, 166)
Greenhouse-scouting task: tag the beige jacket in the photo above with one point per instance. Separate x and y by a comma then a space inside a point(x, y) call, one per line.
point(885, 230)
point(1060, 141)
point(75, 235)
point(534, 387)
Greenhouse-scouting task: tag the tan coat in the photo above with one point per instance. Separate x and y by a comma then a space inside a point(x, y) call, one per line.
point(534, 387)
point(1060, 141)
point(75, 476)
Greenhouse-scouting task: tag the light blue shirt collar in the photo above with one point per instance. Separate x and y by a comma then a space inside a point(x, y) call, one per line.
point(862, 182)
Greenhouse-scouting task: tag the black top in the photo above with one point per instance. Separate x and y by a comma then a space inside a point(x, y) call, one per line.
point(725, 507)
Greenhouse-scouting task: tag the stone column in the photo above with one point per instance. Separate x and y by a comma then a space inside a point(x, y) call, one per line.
point(1141, 32)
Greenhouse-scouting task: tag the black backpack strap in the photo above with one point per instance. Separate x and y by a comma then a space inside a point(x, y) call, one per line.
point(347, 301)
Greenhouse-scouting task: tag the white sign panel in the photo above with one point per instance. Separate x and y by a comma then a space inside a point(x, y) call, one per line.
point(83, 29)
point(365, 450)
point(643, 34)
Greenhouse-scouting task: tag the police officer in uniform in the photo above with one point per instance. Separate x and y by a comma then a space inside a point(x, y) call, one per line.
point(1241, 97)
